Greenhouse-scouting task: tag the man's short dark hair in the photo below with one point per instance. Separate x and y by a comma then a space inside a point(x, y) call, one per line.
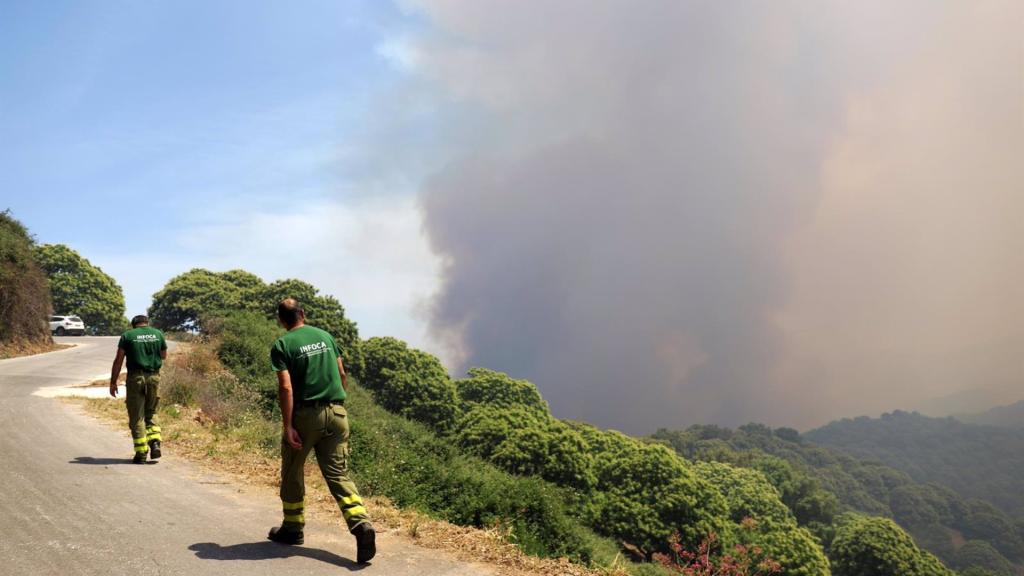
point(290, 311)
point(140, 320)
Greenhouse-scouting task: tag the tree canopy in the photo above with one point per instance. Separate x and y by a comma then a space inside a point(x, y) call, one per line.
point(818, 482)
point(983, 462)
point(409, 382)
point(876, 546)
point(492, 388)
point(981, 555)
point(189, 300)
point(80, 288)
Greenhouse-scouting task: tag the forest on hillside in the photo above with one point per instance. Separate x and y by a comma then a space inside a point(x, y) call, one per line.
point(978, 462)
point(818, 483)
point(1008, 416)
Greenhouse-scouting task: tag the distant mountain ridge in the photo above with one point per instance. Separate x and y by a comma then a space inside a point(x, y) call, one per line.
point(972, 401)
point(1009, 416)
point(976, 461)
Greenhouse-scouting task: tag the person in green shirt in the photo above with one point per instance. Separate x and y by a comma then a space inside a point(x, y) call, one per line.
point(145, 349)
point(311, 391)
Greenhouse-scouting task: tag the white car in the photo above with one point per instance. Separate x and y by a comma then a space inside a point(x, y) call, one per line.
point(61, 325)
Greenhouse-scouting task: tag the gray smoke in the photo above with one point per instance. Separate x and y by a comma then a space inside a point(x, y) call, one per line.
point(667, 213)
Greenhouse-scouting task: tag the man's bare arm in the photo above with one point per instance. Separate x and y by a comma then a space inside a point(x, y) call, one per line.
point(285, 401)
point(163, 354)
point(344, 377)
point(115, 371)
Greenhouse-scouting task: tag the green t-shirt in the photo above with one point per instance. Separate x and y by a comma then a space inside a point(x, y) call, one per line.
point(142, 348)
point(310, 356)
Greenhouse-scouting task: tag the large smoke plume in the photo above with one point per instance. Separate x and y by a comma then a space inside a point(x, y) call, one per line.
point(667, 213)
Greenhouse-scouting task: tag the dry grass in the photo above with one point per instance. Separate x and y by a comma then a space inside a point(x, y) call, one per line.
point(240, 451)
point(25, 348)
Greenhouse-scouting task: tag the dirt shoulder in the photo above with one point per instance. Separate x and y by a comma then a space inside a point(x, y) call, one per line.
point(20, 348)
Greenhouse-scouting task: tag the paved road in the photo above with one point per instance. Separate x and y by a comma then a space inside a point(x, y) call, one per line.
point(72, 503)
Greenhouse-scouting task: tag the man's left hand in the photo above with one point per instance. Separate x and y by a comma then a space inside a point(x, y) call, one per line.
point(113, 389)
point(291, 436)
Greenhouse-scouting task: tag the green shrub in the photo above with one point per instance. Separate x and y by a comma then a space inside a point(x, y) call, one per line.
point(764, 521)
point(491, 388)
point(982, 555)
point(482, 431)
point(406, 462)
point(409, 382)
point(648, 494)
point(569, 462)
point(524, 442)
point(243, 344)
point(866, 546)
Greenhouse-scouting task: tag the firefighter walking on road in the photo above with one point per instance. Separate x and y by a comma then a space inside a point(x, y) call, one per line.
point(145, 349)
point(311, 390)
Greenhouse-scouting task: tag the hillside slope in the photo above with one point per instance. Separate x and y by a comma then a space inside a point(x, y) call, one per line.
point(819, 482)
point(982, 462)
point(24, 292)
point(1009, 416)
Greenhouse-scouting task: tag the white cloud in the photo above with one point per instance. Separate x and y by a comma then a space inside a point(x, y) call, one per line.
point(370, 253)
point(399, 52)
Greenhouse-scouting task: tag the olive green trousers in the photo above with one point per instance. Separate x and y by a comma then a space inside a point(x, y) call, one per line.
point(325, 430)
point(142, 396)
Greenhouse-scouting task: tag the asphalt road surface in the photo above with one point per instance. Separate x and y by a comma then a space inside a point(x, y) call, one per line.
point(72, 503)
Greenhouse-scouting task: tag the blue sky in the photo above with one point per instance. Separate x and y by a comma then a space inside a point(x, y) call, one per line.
point(154, 137)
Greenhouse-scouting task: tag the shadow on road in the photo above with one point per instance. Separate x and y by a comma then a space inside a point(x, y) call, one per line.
point(267, 550)
point(103, 461)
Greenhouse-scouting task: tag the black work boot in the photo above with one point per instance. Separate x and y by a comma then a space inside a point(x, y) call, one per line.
point(284, 536)
point(366, 542)
point(154, 449)
point(140, 458)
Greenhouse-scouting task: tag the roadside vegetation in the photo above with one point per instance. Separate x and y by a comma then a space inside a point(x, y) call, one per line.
point(24, 293)
point(391, 455)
